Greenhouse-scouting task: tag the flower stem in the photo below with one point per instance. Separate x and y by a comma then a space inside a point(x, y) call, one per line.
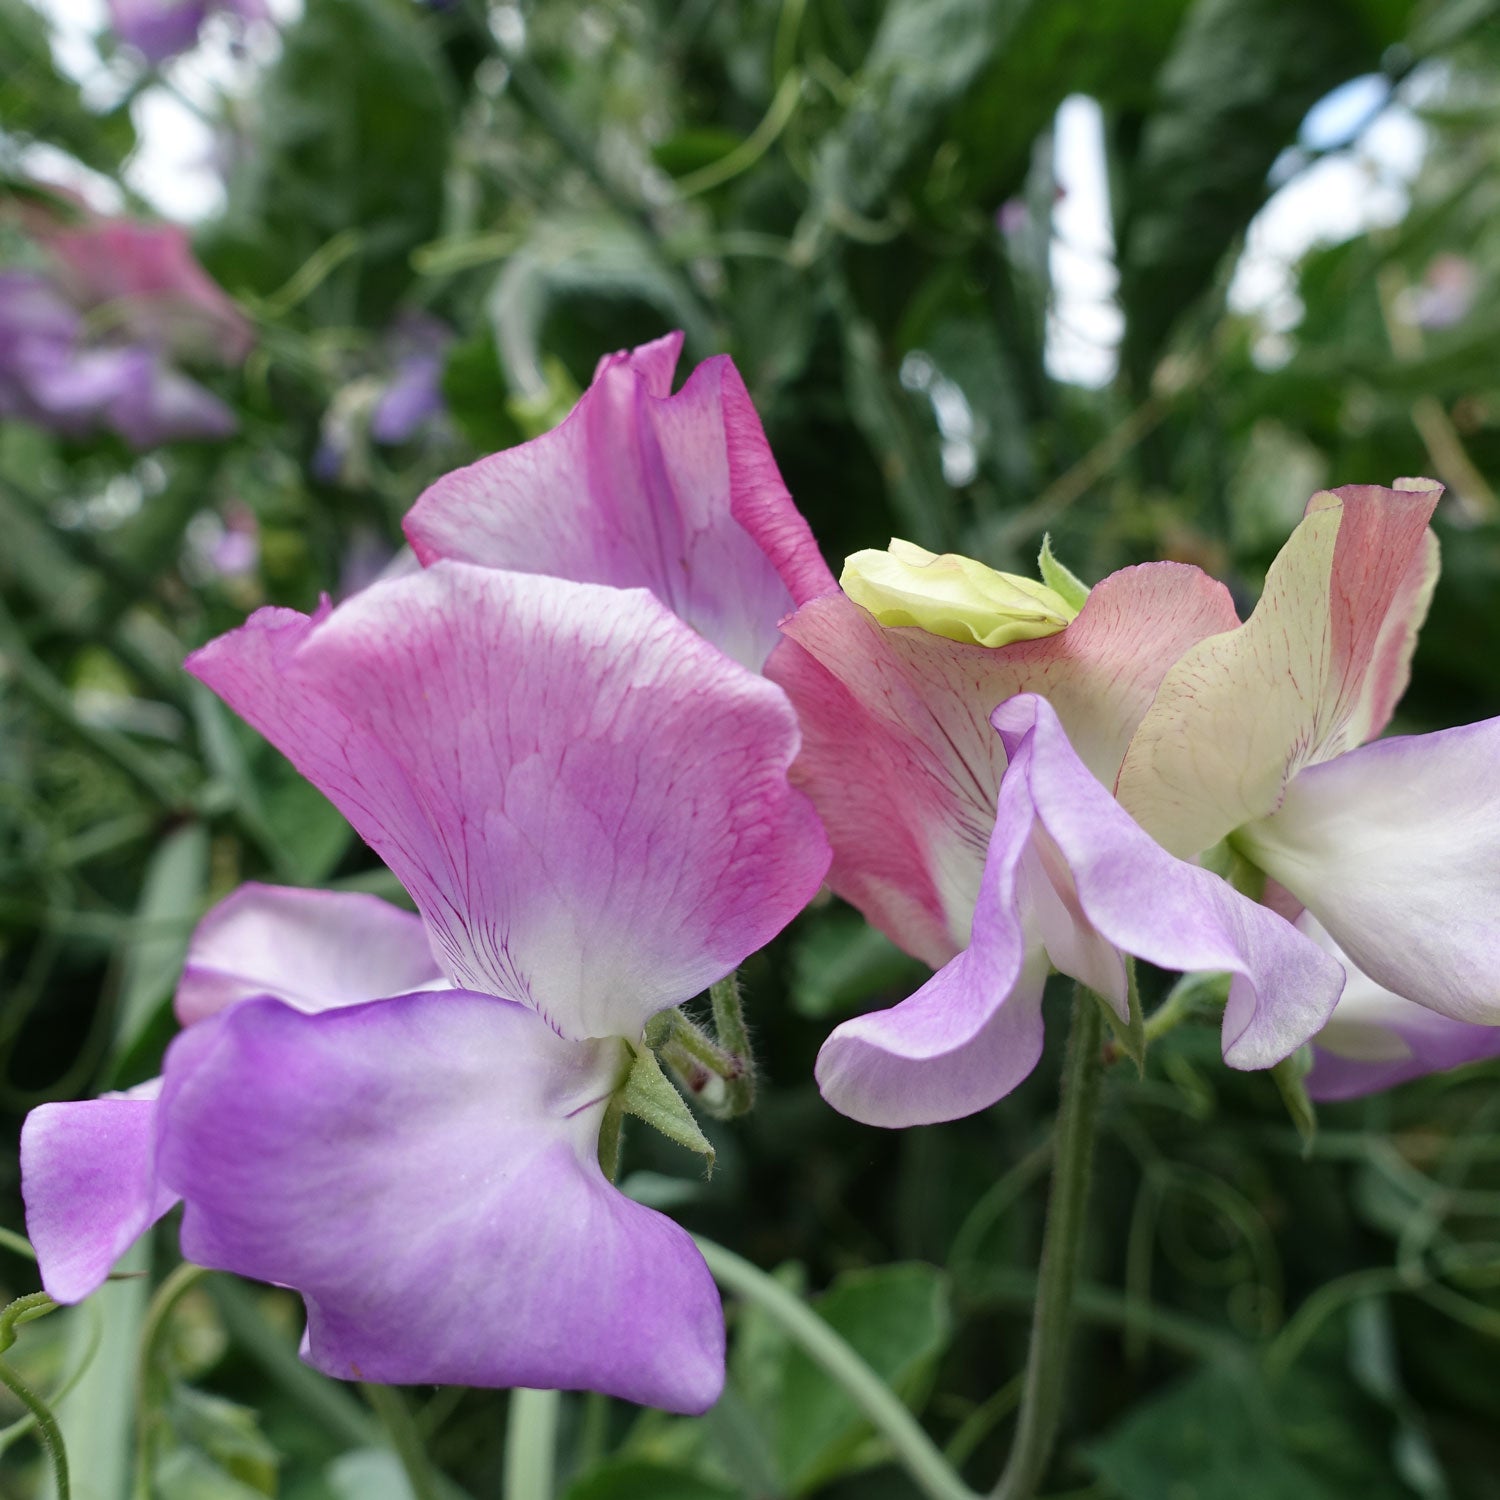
point(531, 1444)
point(404, 1438)
point(1062, 1242)
point(914, 1450)
point(24, 1310)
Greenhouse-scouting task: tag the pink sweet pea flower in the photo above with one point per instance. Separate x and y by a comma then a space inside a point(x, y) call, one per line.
point(639, 487)
point(142, 282)
point(965, 793)
point(590, 808)
point(1257, 736)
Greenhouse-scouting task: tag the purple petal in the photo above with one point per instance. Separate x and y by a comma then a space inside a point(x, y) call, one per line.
point(411, 399)
point(158, 405)
point(1176, 915)
point(89, 1181)
point(313, 949)
point(588, 802)
point(1375, 1039)
point(641, 488)
point(158, 29)
point(424, 1171)
point(1395, 849)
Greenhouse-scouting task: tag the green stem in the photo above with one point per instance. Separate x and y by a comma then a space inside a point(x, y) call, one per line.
point(914, 1450)
point(153, 1329)
point(25, 1310)
point(1062, 1242)
point(531, 1444)
point(404, 1438)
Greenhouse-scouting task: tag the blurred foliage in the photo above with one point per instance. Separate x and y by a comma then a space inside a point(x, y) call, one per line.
point(858, 200)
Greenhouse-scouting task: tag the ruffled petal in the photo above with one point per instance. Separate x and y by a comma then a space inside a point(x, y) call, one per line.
point(898, 753)
point(88, 1178)
point(424, 1171)
point(1315, 671)
point(1375, 1039)
point(1143, 901)
point(1395, 848)
point(641, 488)
point(313, 949)
point(973, 1031)
point(588, 803)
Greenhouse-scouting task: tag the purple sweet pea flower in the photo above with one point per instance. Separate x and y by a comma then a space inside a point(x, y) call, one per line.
point(589, 806)
point(639, 487)
point(418, 345)
point(1070, 882)
point(160, 29)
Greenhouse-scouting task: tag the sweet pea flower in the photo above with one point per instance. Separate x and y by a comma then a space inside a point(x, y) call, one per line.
point(88, 1168)
point(590, 808)
point(160, 29)
point(417, 345)
point(639, 487)
point(1374, 1039)
point(965, 790)
point(1256, 737)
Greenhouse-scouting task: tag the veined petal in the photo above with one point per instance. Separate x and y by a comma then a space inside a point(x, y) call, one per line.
point(1375, 1039)
point(424, 1171)
point(1395, 849)
point(898, 753)
point(1145, 902)
point(88, 1177)
point(641, 488)
point(587, 801)
point(1316, 670)
point(313, 949)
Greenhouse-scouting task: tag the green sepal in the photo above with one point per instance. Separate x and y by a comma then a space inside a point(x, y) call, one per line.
point(649, 1095)
point(1129, 1036)
point(1060, 578)
point(1290, 1076)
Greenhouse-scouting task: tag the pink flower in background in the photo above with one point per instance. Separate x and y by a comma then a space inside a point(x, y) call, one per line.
point(589, 806)
point(1258, 737)
point(639, 487)
point(160, 29)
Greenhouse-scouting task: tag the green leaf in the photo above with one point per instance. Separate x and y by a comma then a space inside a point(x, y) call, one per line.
point(1060, 578)
point(226, 1434)
point(896, 1317)
point(636, 1479)
point(369, 1474)
point(840, 964)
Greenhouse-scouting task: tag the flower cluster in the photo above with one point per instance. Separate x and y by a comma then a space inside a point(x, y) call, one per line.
point(96, 341)
point(609, 737)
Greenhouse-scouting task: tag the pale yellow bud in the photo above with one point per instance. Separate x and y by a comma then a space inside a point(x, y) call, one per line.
point(952, 596)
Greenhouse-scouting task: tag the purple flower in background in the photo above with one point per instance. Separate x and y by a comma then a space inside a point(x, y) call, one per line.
point(589, 806)
point(49, 375)
point(640, 487)
point(160, 29)
point(417, 345)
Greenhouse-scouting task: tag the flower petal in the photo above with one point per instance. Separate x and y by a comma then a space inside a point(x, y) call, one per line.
point(89, 1182)
point(1316, 670)
point(973, 1031)
point(898, 753)
point(313, 949)
point(1145, 902)
point(587, 801)
point(1375, 1039)
point(1395, 849)
point(641, 488)
point(424, 1171)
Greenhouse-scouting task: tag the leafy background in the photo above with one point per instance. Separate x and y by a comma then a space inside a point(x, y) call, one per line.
point(858, 201)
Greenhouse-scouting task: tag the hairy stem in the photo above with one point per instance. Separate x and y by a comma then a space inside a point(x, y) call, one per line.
point(1062, 1241)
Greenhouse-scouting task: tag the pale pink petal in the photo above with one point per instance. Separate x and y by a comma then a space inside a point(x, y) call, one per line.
point(424, 1170)
point(587, 802)
point(1395, 849)
point(641, 488)
point(88, 1176)
point(1315, 671)
point(898, 752)
point(313, 949)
